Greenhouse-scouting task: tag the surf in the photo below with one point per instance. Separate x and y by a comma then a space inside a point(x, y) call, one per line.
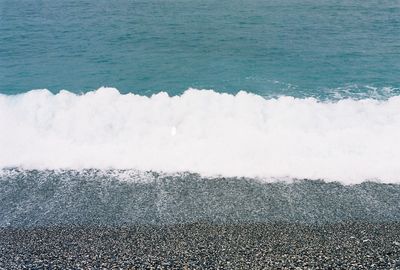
point(204, 132)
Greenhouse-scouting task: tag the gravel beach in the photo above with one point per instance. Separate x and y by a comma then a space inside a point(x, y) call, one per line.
point(357, 245)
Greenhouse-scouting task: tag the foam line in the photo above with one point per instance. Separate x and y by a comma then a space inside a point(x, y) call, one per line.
point(205, 132)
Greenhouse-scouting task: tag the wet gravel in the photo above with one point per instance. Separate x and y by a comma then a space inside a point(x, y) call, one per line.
point(204, 246)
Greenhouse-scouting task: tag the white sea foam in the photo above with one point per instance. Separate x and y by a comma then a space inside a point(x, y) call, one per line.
point(205, 132)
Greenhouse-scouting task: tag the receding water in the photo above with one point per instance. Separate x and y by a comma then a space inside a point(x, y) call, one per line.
point(37, 198)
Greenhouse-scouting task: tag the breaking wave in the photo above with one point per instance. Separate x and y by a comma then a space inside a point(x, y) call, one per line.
point(204, 132)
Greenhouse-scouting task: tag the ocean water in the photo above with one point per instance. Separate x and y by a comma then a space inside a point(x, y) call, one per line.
point(298, 48)
point(243, 93)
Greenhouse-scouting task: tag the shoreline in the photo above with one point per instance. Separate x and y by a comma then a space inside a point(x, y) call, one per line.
point(36, 198)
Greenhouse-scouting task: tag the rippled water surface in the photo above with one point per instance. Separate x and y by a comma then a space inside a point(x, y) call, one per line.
point(326, 49)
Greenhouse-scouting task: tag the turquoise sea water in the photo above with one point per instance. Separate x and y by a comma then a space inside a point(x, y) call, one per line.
point(324, 49)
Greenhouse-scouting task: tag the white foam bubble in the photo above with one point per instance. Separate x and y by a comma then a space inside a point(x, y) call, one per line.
point(204, 132)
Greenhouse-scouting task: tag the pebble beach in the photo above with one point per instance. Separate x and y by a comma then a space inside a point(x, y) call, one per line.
point(168, 134)
point(357, 245)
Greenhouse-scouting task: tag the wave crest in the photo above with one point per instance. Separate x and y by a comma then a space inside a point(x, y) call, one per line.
point(205, 132)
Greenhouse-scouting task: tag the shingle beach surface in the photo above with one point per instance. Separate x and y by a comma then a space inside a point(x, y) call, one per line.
point(204, 246)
